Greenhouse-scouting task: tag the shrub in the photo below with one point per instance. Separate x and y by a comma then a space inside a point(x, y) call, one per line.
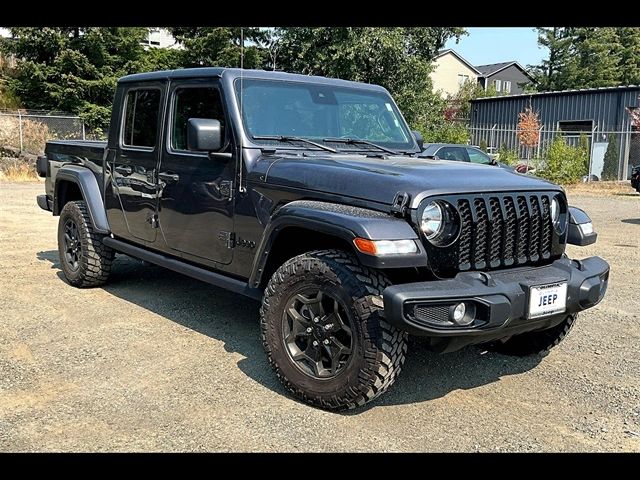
point(610, 168)
point(564, 164)
point(508, 156)
point(483, 145)
point(448, 132)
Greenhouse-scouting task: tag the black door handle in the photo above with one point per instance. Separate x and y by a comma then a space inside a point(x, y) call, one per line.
point(169, 177)
point(124, 169)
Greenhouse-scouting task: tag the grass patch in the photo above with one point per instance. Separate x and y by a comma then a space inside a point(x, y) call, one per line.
point(17, 170)
point(601, 188)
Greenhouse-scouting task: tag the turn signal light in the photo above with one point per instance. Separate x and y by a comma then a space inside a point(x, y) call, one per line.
point(385, 247)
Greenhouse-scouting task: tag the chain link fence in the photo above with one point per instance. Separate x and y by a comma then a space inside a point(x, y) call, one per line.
point(625, 145)
point(28, 131)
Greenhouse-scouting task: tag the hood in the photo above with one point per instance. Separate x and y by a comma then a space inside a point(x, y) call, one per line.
point(379, 179)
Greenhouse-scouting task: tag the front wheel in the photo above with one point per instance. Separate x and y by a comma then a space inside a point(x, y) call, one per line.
point(535, 343)
point(323, 332)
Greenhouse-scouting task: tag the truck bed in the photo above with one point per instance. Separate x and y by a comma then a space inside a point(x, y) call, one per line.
point(88, 153)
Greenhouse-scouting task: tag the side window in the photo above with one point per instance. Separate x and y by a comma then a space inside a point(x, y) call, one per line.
point(142, 109)
point(498, 85)
point(453, 153)
point(193, 102)
point(478, 156)
point(507, 86)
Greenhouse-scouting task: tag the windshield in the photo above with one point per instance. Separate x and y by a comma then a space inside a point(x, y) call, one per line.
point(323, 113)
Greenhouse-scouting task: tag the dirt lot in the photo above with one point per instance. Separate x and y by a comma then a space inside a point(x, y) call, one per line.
point(157, 361)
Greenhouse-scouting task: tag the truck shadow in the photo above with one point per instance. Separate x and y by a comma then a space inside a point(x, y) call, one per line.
point(233, 320)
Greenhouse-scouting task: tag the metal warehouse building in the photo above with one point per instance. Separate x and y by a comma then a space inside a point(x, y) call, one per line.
point(600, 114)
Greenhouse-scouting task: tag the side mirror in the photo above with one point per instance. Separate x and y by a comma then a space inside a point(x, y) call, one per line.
point(581, 231)
point(204, 135)
point(419, 139)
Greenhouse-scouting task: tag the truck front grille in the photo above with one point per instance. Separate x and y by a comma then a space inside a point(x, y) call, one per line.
point(504, 230)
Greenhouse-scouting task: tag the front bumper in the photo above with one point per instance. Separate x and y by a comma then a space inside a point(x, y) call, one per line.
point(500, 299)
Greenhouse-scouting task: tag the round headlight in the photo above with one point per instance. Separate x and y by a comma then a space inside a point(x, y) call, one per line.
point(440, 223)
point(431, 222)
point(555, 211)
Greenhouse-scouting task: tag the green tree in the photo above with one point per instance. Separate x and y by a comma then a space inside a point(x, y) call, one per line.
point(611, 156)
point(549, 75)
point(587, 57)
point(222, 46)
point(596, 57)
point(75, 69)
point(396, 58)
point(630, 55)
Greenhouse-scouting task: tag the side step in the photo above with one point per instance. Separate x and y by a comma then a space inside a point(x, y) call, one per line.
point(222, 281)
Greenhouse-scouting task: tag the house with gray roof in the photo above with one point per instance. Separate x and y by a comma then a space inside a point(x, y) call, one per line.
point(508, 78)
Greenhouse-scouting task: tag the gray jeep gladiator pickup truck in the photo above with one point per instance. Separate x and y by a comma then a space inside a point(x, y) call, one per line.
point(307, 193)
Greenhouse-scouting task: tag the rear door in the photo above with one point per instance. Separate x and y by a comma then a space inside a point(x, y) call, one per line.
point(134, 163)
point(195, 188)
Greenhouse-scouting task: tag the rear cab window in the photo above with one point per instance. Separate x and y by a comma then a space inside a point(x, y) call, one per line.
point(141, 116)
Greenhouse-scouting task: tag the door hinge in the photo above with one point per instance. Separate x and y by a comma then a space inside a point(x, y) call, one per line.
point(227, 238)
point(226, 189)
point(153, 220)
point(400, 204)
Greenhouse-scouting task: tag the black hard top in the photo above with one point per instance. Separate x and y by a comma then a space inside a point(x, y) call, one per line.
point(245, 73)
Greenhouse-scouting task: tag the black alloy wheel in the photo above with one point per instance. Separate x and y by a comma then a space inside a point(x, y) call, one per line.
point(72, 245)
point(317, 334)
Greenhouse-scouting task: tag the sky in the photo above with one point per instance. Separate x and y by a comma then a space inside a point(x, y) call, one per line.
point(486, 45)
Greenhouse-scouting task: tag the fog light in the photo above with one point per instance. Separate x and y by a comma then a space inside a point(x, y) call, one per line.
point(458, 312)
point(461, 315)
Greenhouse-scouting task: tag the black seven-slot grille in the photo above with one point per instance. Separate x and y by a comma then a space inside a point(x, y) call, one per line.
point(499, 230)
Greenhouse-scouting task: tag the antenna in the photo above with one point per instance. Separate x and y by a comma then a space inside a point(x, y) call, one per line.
point(241, 188)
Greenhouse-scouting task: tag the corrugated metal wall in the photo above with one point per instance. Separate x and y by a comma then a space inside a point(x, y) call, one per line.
point(497, 118)
point(606, 107)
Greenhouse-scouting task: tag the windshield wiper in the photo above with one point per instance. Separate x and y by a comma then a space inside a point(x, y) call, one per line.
point(356, 141)
point(287, 138)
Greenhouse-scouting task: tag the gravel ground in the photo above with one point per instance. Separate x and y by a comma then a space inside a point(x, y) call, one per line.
point(157, 361)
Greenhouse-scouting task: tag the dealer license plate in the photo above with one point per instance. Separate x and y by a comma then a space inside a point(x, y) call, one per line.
point(547, 299)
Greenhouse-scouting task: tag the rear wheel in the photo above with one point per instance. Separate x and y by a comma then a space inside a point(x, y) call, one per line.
point(85, 260)
point(535, 343)
point(323, 332)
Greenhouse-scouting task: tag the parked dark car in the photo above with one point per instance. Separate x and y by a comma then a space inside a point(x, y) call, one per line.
point(305, 193)
point(635, 178)
point(457, 152)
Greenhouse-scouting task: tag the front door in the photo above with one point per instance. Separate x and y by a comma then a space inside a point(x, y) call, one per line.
point(195, 188)
point(134, 163)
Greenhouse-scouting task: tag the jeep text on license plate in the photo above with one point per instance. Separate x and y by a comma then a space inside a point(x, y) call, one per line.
point(547, 299)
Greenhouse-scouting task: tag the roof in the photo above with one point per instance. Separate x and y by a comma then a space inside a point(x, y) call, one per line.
point(493, 68)
point(458, 56)
point(244, 73)
point(559, 92)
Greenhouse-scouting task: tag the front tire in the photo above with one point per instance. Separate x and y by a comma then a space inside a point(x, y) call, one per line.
point(536, 343)
point(323, 332)
point(85, 260)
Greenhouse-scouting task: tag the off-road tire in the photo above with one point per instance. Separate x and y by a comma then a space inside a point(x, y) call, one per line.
point(535, 343)
point(378, 351)
point(95, 259)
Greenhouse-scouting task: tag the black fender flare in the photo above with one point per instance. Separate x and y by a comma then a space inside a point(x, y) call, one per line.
point(344, 222)
point(86, 181)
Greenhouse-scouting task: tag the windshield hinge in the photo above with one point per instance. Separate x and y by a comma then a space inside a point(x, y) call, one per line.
point(400, 204)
